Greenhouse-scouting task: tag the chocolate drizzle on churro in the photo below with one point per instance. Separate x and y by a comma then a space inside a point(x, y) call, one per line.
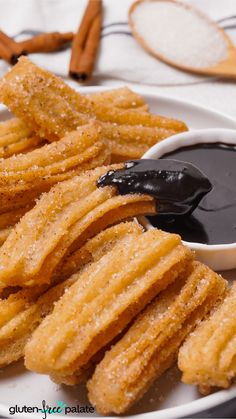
point(177, 187)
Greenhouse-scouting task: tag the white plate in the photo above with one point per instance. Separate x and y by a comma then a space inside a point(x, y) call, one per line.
point(168, 398)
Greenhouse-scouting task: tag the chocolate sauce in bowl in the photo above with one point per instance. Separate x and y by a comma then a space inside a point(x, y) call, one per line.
point(177, 186)
point(214, 219)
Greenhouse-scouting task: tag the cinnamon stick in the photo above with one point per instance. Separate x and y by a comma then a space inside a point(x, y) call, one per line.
point(86, 42)
point(9, 49)
point(46, 42)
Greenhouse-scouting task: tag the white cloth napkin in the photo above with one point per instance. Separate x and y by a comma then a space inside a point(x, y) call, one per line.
point(121, 59)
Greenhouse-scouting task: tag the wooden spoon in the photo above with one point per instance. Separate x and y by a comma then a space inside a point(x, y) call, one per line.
point(226, 67)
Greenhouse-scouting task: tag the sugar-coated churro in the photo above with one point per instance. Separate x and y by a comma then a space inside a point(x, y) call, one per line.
point(151, 345)
point(126, 141)
point(131, 141)
point(104, 299)
point(122, 97)
point(60, 222)
point(9, 219)
point(207, 358)
point(51, 108)
point(22, 311)
point(17, 329)
point(33, 95)
point(96, 247)
point(32, 173)
point(16, 137)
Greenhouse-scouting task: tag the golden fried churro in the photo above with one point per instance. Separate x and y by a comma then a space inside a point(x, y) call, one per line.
point(25, 317)
point(4, 233)
point(33, 95)
point(14, 128)
point(96, 247)
point(123, 98)
point(51, 108)
point(104, 299)
point(28, 175)
point(130, 141)
point(107, 113)
point(207, 358)
point(126, 141)
point(151, 344)
point(16, 138)
point(22, 146)
point(18, 301)
point(60, 222)
point(93, 250)
point(21, 312)
point(9, 219)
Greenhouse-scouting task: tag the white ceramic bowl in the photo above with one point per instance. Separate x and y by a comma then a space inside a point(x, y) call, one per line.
point(217, 256)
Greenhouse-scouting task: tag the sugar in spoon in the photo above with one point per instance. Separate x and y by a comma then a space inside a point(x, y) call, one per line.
point(183, 37)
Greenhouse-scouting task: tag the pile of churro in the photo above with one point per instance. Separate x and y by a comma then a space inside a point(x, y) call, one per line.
point(86, 294)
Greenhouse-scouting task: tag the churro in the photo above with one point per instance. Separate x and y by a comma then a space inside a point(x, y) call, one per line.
point(16, 138)
point(60, 222)
point(9, 219)
point(51, 108)
point(21, 312)
point(122, 97)
point(96, 247)
point(126, 141)
point(33, 95)
point(131, 141)
point(35, 172)
point(4, 233)
point(151, 345)
point(207, 358)
point(17, 329)
point(104, 299)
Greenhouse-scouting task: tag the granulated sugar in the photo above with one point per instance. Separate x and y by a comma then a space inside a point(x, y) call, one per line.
point(179, 34)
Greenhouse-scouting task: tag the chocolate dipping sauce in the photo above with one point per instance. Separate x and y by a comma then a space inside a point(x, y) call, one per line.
point(176, 186)
point(214, 220)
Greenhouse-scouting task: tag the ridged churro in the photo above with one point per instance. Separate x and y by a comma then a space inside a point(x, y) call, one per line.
point(207, 358)
point(60, 222)
point(96, 247)
point(131, 141)
point(104, 299)
point(16, 138)
point(122, 97)
point(151, 345)
point(51, 108)
point(21, 312)
point(125, 141)
point(35, 172)
point(45, 103)
point(17, 329)
point(10, 218)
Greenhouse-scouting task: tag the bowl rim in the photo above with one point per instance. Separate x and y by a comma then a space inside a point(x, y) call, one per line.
point(191, 138)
